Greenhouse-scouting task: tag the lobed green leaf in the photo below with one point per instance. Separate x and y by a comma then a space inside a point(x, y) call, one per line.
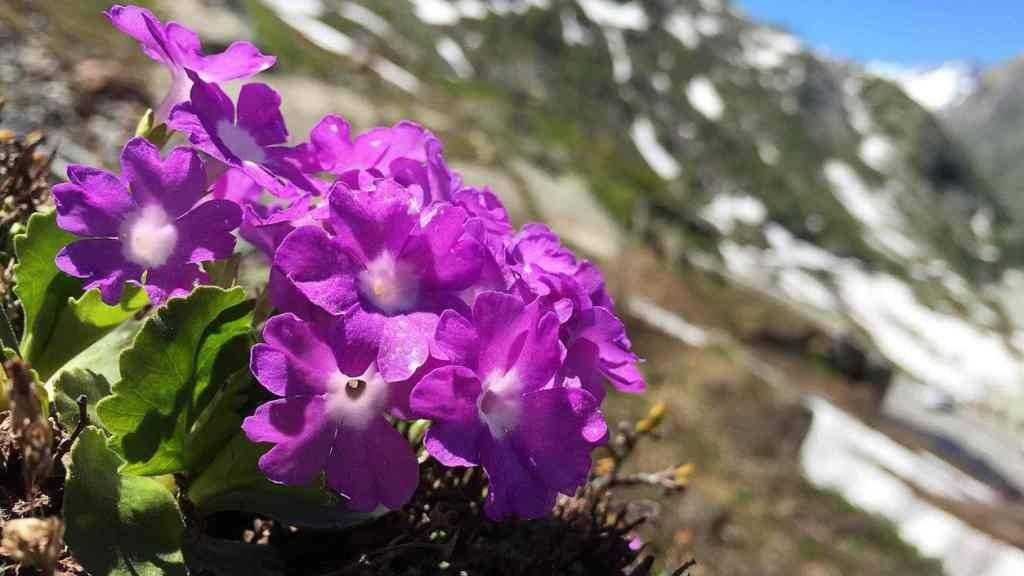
point(119, 525)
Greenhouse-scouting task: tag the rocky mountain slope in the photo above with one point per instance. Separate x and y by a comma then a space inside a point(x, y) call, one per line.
point(990, 123)
point(810, 178)
point(825, 228)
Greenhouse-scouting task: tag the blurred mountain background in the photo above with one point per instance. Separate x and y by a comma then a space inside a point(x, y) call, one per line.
point(821, 259)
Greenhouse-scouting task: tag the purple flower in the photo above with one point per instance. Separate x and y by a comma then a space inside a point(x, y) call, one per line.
point(498, 405)
point(406, 152)
point(178, 48)
point(330, 415)
point(147, 226)
point(267, 226)
point(248, 137)
point(595, 338)
point(388, 267)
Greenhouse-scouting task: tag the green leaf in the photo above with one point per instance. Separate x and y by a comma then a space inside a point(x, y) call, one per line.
point(102, 357)
point(85, 320)
point(233, 481)
point(60, 321)
point(40, 287)
point(221, 420)
point(223, 273)
point(172, 371)
point(119, 525)
point(72, 383)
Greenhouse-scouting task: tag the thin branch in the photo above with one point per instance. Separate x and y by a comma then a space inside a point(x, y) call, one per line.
point(7, 337)
point(83, 421)
point(665, 479)
point(682, 570)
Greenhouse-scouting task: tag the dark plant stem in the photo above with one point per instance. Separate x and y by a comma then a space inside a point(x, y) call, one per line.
point(7, 337)
point(83, 421)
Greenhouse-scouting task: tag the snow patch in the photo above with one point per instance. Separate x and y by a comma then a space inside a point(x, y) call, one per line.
point(308, 8)
point(766, 49)
point(645, 137)
point(873, 209)
point(935, 89)
point(573, 33)
point(436, 12)
point(667, 321)
point(302, 17)
point(708, 25)
point(768, 152)
point(680, 25)
point(396, 75)
point(606, 13)
point(452, 53)
point(704, 97)
point(870, 470)
point(472, 9)
point(876, 151)
point(727, 210)
point(622, 66)
point(365, 17)
point(966, 361)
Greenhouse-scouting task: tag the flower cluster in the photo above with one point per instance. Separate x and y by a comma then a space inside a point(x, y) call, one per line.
point(401, 292)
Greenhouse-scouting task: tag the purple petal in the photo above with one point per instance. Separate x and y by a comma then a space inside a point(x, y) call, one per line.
point(176, 183)
point(604, 330)
point(447, 257)
point(582, 369)
point(173, 280)
point(302, 435)
point(515, 336)
point(295, 358)
point(240, 60)
point(183, 118)
point(318, 269)
point(372, 467)
point(513, 489)
point(287, 298)
point(266, 227)
point(447, 394)
point(456, 339)
point(453, 444)
point(259, 113)
point(372, 221)
point(93, 203)
point(329, 143)
point(209, 107)
point(564, 425)
point(404, 340)
point(141, 25)
point(205, 231)
point(100, 262)
point(237, 186)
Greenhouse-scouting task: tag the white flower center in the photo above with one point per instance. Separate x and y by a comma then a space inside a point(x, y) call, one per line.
point(388, 284)
point(240, 142)
point(499, 403)
point(148, 237)
point(354, 401)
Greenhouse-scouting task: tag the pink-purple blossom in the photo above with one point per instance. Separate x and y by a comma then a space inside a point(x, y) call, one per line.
point(330, 414)
point(178, 48)
point(400, 292)
point(147, 226)
point(499, 405)
point(247, 137)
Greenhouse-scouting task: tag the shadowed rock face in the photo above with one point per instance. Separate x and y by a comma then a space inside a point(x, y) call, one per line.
point(990, 123)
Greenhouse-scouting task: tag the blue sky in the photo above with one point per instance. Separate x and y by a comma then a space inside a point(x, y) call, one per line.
point(907, 32)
